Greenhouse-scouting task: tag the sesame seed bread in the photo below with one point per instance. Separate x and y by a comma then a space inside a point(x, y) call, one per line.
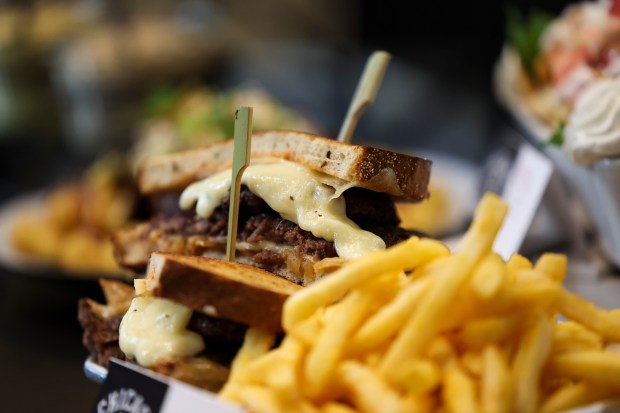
point(372, 168)
point(222, 289)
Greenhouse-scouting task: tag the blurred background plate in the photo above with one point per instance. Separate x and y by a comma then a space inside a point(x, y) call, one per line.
point(595, 188)
point(9, 256)
point(32, 204)
point(454, 194)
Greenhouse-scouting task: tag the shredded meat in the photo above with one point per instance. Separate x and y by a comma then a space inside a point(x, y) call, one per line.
point(188, 234)
point(100, 335)
point(258, 222)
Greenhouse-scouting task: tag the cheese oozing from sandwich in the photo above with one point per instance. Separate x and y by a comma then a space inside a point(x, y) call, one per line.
point(155, 328)
point(310, 199)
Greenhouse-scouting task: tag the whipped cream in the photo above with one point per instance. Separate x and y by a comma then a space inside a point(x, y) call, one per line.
point(587, 24)
point(593, 129)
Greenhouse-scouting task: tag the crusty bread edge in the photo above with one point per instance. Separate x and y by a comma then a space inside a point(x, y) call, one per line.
point(197, 283)
point(373, 168)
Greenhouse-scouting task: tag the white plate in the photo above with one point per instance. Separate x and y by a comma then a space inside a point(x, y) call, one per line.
point(459, 181)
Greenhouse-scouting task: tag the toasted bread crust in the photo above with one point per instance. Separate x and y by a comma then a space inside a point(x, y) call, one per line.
point(222, 289)
point(373, 168)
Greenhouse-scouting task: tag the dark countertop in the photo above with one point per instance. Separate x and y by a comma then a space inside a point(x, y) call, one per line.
point(41, 353)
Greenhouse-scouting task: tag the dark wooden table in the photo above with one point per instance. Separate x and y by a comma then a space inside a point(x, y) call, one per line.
point(41, 353)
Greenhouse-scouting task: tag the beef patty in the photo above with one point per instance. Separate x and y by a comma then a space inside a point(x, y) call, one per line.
point(259, 225)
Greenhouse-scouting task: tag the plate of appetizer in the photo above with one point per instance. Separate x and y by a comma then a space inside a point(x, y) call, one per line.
point(560, 79)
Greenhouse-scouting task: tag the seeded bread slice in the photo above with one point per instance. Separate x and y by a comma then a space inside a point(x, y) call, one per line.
point(222, 289)
point(373, 168)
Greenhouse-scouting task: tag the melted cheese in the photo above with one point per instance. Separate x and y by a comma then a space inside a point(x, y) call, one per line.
point(154, 328)
point(306, 197)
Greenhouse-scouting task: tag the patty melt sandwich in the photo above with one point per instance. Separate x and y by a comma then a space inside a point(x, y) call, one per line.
point(187, 319)
point(306, 202)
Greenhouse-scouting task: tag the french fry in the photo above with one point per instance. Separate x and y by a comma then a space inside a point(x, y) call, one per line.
point(601, 367)
point(384, 287)
point(417, 376)
point(283, 376)
point(553, 265)
point(334, 407)
point(462, 333)
point(329, 347)
point(529, 360)
point(259, 399)
point(459, 391)
point(488, 218)
point(489, 277)
point(496, 384)
point(468, 309)
point(526, 294)
point(370, 394)
point(425, 322)
point(480, 332)
point(404, 256)
point(255, 371)
point(472, 363)
point(518, 262)
point(572, 396)
point(441, 351)
point(578, 309)
point(476, 243)
point(386, 322)
point(308, 330)
point(430, 269)
point(570, 336)
point(257, 342)
point(419, 403)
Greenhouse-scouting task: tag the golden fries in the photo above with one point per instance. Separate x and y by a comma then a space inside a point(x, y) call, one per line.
point(496, 383)
point(369, 393)
point(465, 332)
point(459, 391)
point(528, 362)
point(386, 322)
point(574, 395)
point(256, 343)
point(601, 367)
point(73, 228)
point(329, 289)
point(420, 328)
point(578, 309)
point(323, 358)
point(489, 277)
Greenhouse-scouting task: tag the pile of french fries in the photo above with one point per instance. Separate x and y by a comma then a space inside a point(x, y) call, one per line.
point(417, 329)
point(73, 228)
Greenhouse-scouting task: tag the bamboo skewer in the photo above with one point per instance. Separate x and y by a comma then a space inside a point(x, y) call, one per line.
point(365, 92)
point(241, 159)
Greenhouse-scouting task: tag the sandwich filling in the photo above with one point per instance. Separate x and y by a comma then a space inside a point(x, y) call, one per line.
point(293, 222)
point(155, 328)
point(308, 198)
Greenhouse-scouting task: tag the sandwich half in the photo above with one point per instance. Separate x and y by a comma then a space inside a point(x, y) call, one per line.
point(306, 203)
point(187, 318)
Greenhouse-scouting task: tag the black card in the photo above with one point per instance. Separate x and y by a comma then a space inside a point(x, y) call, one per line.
point(126, 390)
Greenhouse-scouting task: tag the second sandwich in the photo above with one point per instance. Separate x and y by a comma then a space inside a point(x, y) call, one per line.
point(306, 203)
